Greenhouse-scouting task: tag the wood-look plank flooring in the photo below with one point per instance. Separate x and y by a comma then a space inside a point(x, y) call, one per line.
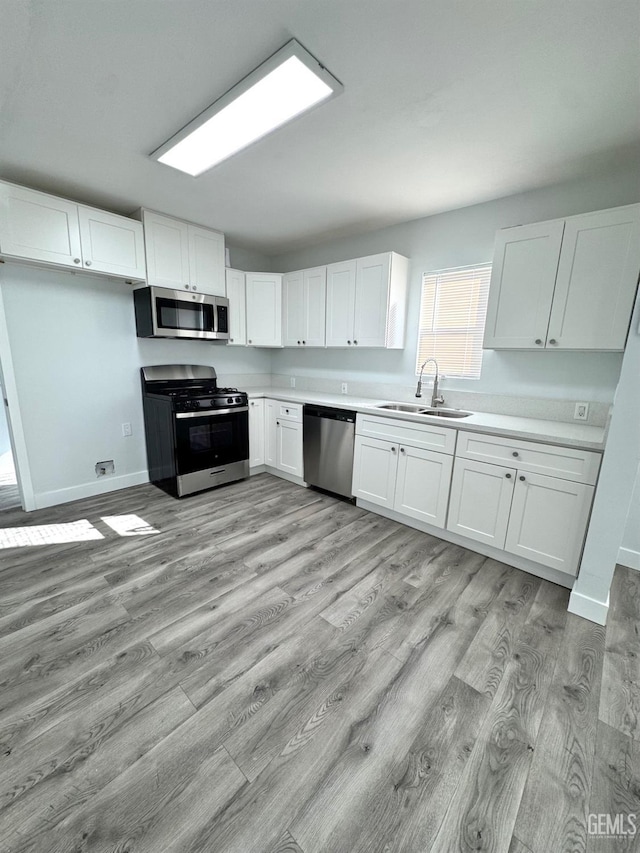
point(277, 671)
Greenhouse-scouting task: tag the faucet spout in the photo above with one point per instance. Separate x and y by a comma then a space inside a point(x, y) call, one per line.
point(435, 398)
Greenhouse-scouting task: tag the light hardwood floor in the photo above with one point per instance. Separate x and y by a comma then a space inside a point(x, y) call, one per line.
point(276, 670)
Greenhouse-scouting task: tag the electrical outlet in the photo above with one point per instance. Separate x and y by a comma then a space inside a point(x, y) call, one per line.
point(344, 387)
point(292, 381)
point(581, 412)
point(126, 429)
point(103, 468)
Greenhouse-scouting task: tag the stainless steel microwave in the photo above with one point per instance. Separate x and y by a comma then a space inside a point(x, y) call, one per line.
point(165, 313)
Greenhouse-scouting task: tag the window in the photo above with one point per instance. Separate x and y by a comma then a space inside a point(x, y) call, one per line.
point(452, 317)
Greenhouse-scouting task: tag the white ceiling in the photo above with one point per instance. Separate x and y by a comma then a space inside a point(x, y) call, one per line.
point(446, 103)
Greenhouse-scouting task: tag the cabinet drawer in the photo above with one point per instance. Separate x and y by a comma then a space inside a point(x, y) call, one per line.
point(425, 436)
point(288, 411)
point(568, 463)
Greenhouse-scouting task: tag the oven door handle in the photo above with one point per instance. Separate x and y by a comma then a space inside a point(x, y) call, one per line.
point(212, 412)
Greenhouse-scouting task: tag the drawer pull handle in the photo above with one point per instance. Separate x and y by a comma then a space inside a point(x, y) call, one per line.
point(508, 476)
point(522, 478)
point(393, 450)
point(515, 453)
point(349, 342)
point(402, 450)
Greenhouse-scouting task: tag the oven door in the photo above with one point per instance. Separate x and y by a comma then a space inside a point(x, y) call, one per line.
point(211, 440)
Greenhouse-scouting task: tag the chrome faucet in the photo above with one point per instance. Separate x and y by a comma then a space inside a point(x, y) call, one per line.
point(435, 399)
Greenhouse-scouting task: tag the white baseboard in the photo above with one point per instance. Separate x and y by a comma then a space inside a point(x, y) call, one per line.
point(88, 490)
point(629, 558)
point(589, 608)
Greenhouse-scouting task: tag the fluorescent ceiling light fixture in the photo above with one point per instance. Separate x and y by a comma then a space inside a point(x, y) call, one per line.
point(289, 83)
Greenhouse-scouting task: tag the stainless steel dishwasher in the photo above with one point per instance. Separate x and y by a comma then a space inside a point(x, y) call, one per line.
point(328, 436)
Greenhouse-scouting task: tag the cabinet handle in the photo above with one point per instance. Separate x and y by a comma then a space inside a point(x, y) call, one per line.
point(277, 423)
point(515, 453)
point(88, 263)
point(298, 343)
point(249, 340)
point(230, 340)
point(76, 260)
point(402, 450)
point(521, 478)
point(508, 476)
point(393, 450)
point(193, 287)
point(356, 343)
point(538, 341)
point(553, 341)
point(186, 287)
point(304, 343)
point(349, 342)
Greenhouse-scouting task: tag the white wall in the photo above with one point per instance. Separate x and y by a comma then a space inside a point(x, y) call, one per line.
point(76, 360)
point(630, 550)
point(5, 443)
point(620, 462)
point(458, 238)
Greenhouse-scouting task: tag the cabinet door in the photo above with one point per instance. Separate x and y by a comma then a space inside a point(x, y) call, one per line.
point(167, 248)
point(372, 299)
point(315, 301)
point(206, 260)
point(422, 485)
point(264, 309)
point(375, 464)
point(289, 447)
point(256, 433)
point(270, 438)
point(111, 244)
point(237, 308)
point(523, 275)
point(39, 227)
point(549, 520)
point(341, 302)
point(480, 501)
point(293, 309)
point(596, 283)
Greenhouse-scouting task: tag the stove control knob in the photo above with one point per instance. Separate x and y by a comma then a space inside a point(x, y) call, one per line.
point(229, 399)
point(195, 404)
point(212, 403)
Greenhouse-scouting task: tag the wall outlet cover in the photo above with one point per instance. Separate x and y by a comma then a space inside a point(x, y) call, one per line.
point(581, 412)
point(126, 429)
point(104, 468)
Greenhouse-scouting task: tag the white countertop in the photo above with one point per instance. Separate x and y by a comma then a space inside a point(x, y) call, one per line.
point(552, 432)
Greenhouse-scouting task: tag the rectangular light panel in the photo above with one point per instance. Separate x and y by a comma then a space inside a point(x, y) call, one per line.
point(286, 85)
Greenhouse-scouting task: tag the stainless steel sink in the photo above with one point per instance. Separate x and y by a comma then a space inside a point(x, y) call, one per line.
point(445, 413)
point(414, 409)
point(402, 407)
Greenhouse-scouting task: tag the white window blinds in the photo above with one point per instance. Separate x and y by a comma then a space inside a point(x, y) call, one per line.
point(452, 317)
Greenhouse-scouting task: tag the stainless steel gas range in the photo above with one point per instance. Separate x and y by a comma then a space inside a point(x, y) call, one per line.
point(197, 434)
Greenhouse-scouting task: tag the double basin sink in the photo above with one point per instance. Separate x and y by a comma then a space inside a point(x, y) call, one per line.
point(414, 409)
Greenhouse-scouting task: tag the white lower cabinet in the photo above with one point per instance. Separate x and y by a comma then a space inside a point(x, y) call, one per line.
point(548, 520)
point(289, 447)
point(283, 437)
point(406, 479)
point(480, 501)
point(256, 433)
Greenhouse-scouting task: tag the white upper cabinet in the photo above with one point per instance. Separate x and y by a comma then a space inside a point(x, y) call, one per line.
point(206, 260)
point(341, 303)
point(304, 303)
point(565, 284)
point(597, 278)
point(264, 309)
point(167, 249)
point(111, 244)
point(183, 256)
point(366, 302)
point(523, 277)
point(236, 294)
point(38, 227)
